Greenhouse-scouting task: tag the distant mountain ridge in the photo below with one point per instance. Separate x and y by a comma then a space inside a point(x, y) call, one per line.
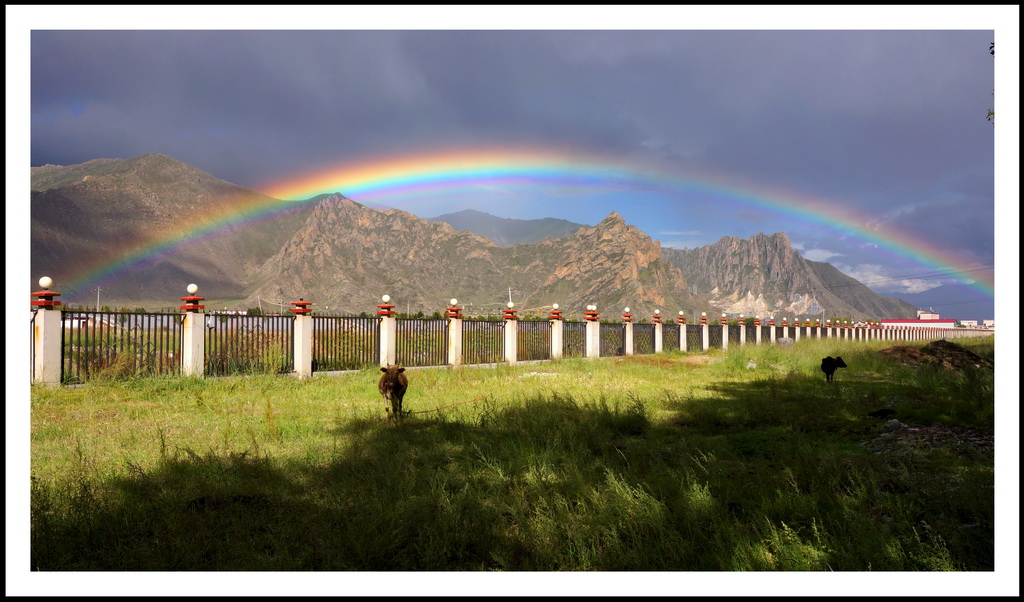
point(343, 256)
point(506, 232)
point(765, 275)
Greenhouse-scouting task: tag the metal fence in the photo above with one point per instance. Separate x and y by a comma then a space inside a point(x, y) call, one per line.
point(693, 337)
point(750, 331)
point(118, 344)
point(123, 344)
point(714, 336)
point(483, 341)
point(345, 343)
point(533, 340)
point(612, 339)
point(574, 339)
point(421, 342)
point(248, 344)
point(670, 337)
point(643, 339)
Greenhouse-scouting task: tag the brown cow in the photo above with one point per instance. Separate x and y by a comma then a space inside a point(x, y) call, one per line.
point(392, 386)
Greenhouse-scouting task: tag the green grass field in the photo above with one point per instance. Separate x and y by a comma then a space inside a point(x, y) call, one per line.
point(671, 462)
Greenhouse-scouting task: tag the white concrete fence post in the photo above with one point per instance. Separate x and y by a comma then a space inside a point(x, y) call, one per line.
point(555, 319)
point(302, 339)
point(46, 335)
point(593, 332)
point(659, 343)
point(454, 315)
point(681, 321)
point(627, 332)
point(193, 335)
point(511, 334)
point(388, 331)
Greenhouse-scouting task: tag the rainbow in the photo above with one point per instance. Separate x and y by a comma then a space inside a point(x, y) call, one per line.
point(448, 172)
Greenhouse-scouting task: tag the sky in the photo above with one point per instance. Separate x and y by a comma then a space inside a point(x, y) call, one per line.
point(863, 137)
point(860, 131)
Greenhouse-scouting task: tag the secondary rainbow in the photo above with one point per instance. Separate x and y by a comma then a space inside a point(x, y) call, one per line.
point(427, 173)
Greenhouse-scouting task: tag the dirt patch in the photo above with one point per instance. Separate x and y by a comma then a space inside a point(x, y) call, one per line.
point(940, 354)
point(697, 359)
point(906, 439)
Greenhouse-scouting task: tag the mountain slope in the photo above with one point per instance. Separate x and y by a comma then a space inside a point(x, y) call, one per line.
point(346, 256)
point(506, 232)
point(83, 215)
point(764, 275)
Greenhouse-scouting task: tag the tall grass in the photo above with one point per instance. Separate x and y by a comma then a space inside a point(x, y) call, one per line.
point(673, 462)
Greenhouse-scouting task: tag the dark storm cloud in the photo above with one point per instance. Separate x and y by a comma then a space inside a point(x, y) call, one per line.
point(837, 113)
point(889, 124)
point(779, 104)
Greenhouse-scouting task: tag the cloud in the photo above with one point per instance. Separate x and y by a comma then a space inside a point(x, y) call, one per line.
point(820, 254)
point(876, 278)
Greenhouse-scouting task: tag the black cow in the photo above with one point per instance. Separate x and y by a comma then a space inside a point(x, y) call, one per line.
point(392, 386)
point(829, 365)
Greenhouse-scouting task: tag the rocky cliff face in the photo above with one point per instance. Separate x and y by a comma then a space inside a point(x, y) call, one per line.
point(612, 265)
point(346, 256)
point(764, 275)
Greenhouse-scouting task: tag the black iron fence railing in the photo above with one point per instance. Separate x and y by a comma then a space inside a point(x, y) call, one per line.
point(714, 336)
point(118, 344)
point(104, 344)
point(574, 339)
point(670, 337)
point(342, 343)
point(693, 337)
point(421, 342)
point(248, 344)
point(483, 341)
point(612, 339)
point(533, 340)
point(643, 339)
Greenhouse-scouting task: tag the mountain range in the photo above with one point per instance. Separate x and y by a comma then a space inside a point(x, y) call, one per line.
point(343, 255)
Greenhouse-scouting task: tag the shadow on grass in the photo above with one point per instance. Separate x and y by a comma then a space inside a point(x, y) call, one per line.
point(737, 481)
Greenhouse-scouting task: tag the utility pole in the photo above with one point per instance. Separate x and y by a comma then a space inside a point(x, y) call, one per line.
point(97, 298)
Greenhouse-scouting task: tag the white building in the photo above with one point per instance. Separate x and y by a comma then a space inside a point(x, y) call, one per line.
point(919, 323)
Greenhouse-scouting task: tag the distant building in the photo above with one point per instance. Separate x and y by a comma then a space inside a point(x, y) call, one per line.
point(989, 323)
point(919, 323)
point(927, 315)
point(969, 323)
